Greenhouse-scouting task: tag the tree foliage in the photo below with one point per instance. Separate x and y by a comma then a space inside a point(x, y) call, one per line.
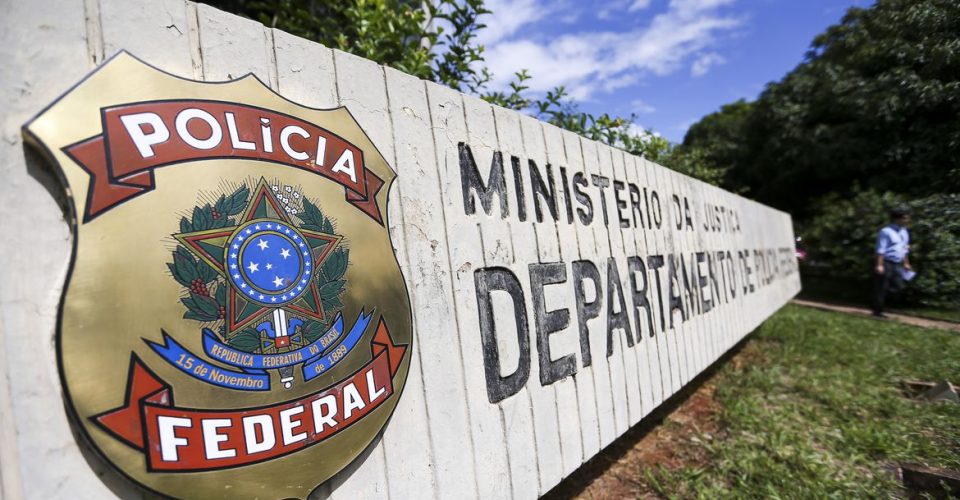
point(840, 241)
point(714, 145)
point(558, 109)
point(874, 104)
point(866, 121)
point(436, 40)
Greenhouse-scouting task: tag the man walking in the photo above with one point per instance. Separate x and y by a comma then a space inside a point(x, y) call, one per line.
point(893, 244)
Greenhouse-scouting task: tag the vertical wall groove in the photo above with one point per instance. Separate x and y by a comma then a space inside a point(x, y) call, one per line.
point(456, 313)
point(91, 10)
point(193, 32)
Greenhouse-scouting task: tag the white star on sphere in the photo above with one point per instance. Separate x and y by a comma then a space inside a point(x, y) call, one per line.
point(263, 245)
point(277, 281)
point(269, 266)
point(253, 267)
point(273, 299)
point(285, 253)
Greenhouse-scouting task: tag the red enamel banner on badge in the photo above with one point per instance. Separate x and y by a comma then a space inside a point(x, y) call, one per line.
point(140, 137)
point(178, 439)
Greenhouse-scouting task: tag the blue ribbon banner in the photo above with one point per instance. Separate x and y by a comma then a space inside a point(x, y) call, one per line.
point(317, 357)
point(314, 368)
point(196, 367)
point(223, 353)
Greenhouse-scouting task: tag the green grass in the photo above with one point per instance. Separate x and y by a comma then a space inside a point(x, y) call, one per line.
point(815, 411)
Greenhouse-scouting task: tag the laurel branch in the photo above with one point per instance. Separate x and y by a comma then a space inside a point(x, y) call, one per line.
point(198, 278)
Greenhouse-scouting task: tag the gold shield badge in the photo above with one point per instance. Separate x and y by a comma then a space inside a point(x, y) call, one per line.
point(235, 322)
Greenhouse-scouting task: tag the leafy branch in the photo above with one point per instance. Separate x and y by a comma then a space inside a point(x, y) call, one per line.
point(247, 340)
point(195, 274)
point(330, 282)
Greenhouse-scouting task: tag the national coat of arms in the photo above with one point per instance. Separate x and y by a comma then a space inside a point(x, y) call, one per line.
point(234, 317)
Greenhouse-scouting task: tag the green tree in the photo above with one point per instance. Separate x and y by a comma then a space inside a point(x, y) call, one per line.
point(866, 121)
point(696, 162)
point(875, 103)
point(714, 145)
point(434, 40)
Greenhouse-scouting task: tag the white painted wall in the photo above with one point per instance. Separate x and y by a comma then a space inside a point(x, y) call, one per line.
point(519, 447)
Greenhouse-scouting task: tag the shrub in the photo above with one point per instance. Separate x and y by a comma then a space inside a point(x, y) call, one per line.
point(840, 241)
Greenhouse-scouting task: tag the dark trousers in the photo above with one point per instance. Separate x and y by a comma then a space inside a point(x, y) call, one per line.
point(891, 281)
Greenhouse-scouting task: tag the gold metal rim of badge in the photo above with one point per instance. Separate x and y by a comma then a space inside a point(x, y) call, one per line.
point(234, 315)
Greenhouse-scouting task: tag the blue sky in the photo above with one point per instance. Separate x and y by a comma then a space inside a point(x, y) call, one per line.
point(668, 61)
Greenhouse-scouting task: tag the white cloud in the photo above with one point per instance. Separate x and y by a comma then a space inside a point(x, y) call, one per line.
point(638, 5)
point(619, 82)
point(704, 62)
point(693, 7)
point(641, 131)
point(588, 62)
point(507, 17)
point(641, 107)
point(611, 9)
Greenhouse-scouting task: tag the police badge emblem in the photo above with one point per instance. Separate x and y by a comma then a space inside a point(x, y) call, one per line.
point(234, 319)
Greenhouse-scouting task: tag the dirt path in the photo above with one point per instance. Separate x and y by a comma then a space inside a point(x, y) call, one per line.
point(626, 470)
point(667, 440)
point(902, 318)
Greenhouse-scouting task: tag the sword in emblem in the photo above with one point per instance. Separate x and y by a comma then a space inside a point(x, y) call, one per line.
point(282, 340)
point(277, 328)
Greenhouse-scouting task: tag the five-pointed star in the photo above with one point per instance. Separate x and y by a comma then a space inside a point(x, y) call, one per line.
point(285, 252)
point(263, 245)
point(253, 267)
point(209, 246)
point(277, 281)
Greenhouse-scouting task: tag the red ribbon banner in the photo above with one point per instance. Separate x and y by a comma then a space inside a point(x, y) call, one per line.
point(176, 439)
point(140, 137)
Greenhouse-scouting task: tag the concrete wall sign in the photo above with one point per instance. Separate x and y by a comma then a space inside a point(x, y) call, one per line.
point(524, 298)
